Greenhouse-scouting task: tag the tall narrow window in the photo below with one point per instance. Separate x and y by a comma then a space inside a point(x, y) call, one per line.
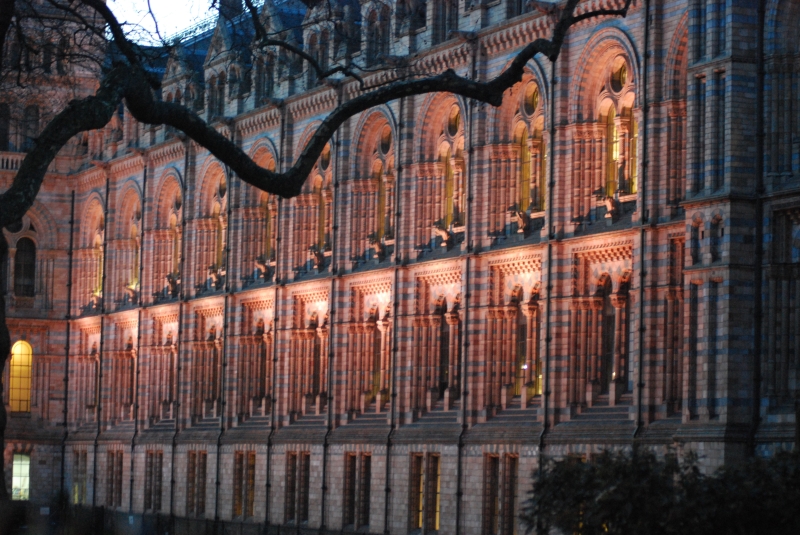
point(433, 487)
point(114, 479)
point(491, 495)
point(540, 198)
point(25, 268)
point(61, 56)
point(304, 480)
point(79, 477)
point(510, 469)
point(449, 187)
point(364, 490)
point(524, 176)
point(350, 489)
point(290, 509)
point(298, 468)
point(633, 157)
point(196, 483)
point(380, 211)
point(133, 279)
point(716, 232)
point(153, 480)
point(721, 27)
point(321, 213)
point(5, 121)
point(521, 344)
point(417, 492)
point(719, 175)
point(30, 127)
point(21, 477)
point(313, 51)
point(612, 152)
point(700, 136)
point(702, 29)
point(244, 465)
point(19, 388)
point(694, 243)
point(445, 19)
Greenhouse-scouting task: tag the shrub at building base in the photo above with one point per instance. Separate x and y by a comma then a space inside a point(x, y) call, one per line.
point(635, 492)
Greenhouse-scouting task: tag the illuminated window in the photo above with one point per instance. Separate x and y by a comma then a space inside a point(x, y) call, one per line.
point(433, 488)
point(19, 392)
point(612, 152)
point(79, 477)
point(633, 161)
point(25, 268)
point(21, 477)
point(524, 176)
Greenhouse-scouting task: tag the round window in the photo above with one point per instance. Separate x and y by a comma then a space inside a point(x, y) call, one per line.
point(619, 78)
point(325, 157)
point(386, 139)
point(454, 121)
point(531, 101)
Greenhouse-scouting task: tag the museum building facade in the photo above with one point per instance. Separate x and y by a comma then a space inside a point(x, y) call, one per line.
point(609, 258)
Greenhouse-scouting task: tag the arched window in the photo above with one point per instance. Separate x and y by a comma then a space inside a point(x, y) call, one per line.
point(30, 127)
point(25, 268)
point(384, 194)
point(5, 120)
point(19, 377)
point(451, 160)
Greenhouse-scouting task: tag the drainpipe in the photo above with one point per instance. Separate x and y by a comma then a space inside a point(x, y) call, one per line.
point(332, 317)
point(221, 403)
point(395, 323)
point(181, 268)
point(549, 290)
point(99, 386)
point(465, 324)
point(643, 222)
point(759, 238)
point(68, 319)
point(140, 305)
point(276, 319)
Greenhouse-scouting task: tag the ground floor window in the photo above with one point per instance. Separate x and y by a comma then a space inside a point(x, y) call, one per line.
point(21, 477)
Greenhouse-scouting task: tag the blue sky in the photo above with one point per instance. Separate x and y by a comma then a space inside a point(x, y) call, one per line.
point(172, 16)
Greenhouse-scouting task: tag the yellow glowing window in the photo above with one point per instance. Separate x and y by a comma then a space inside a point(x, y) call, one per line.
point(21, 476)
point(19, 392)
